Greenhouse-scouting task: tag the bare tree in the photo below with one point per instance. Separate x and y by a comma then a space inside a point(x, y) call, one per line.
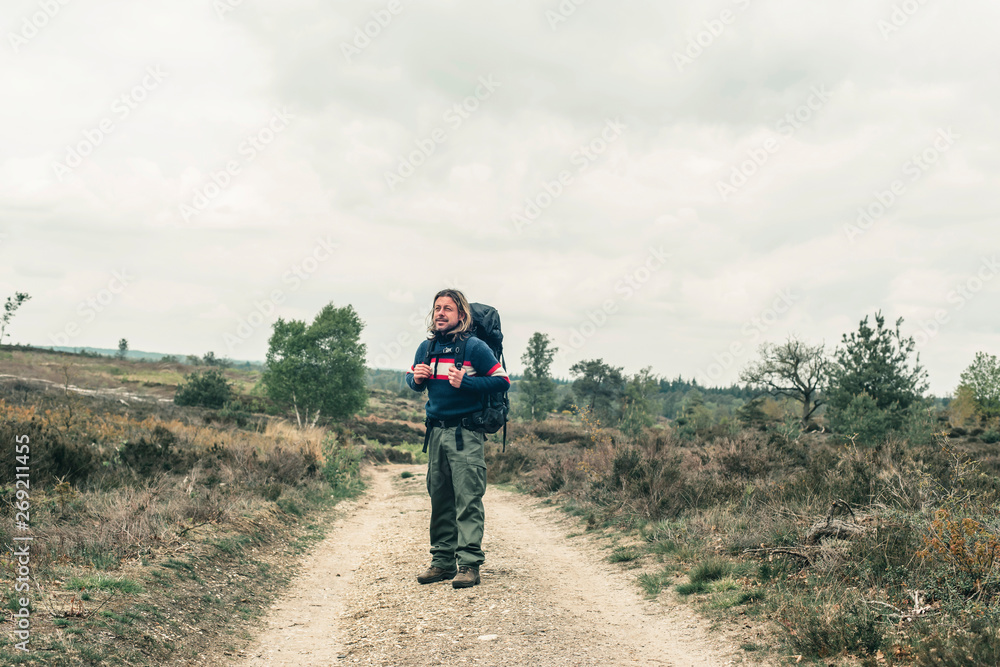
point(791, 369)
point(9, 308)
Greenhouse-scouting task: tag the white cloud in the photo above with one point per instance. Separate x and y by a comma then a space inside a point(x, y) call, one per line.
point(450, 222)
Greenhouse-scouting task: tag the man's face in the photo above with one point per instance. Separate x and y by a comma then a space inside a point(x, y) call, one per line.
point(445, 314)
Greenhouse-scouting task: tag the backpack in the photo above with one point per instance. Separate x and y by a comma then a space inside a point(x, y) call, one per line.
point(492, 415)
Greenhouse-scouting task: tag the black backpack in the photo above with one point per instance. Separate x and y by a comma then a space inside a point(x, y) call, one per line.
point(492, 415)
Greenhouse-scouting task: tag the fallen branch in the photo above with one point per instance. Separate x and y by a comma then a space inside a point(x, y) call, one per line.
point(193, 527)
point(884, 604)
point(833, 528)
point(841, 503)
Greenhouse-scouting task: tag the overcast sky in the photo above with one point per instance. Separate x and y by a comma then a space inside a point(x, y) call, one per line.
point(652, 183)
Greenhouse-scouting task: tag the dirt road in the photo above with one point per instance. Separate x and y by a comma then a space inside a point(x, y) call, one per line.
point(545, 598)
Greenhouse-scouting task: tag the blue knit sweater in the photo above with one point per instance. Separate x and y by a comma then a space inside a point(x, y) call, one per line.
point(483, 375)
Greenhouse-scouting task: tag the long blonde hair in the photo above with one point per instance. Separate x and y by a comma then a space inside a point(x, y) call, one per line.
point(464, 313)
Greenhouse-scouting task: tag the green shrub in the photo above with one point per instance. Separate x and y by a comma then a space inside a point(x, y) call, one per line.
point(209, 389)
point(343, 468)
point(824, 627)
point(233, 411)
point(710, 570)
point(990, 436)
point(863, 418)
point(55, 455)
point(504, 467)
point(749, 597)
point(653, 582)
point(692, 588)
point(146, 457)
point(624, 555)
point(979, 644)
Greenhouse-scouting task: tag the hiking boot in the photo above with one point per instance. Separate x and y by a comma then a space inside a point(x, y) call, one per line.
point(468, 575)
point(435, 573)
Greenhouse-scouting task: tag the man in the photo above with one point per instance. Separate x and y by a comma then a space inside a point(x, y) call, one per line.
point(456, 467)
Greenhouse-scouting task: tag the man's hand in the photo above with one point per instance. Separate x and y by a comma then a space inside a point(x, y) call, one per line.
point(421, 372)
point(455, 376)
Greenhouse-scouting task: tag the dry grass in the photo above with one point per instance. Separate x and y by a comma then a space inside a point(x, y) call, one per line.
point(751, 497)
point(160, 500)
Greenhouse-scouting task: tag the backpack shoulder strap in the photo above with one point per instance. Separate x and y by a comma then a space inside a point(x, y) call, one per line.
point(459, 347)
point(456, 350)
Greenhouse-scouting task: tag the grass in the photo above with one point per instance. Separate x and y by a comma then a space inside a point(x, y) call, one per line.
point(653, 583)
point(624, 554)
point(102, 582)
point(146, 475)
point(710, 570)
point(416, 450)
point(692, 588)
point(731, 509)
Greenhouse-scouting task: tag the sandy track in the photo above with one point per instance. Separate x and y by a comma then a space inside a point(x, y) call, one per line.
point(545, 599)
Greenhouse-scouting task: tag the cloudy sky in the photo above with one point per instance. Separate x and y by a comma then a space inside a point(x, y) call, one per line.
point(652, 183)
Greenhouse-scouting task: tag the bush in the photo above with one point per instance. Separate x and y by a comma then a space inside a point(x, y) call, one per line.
point(147, 456)
point(977, 645)
point(209, 389)
point(873, 425)
point(556, 431)
point(233, 411)
point(918, 424)
point(967, 552)
point(829, 624)
point(710, 570)
point(863, 418)
point(54, 456)
point(343, 468)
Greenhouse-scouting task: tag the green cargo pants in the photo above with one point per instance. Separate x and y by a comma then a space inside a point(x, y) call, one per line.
point(456, 482)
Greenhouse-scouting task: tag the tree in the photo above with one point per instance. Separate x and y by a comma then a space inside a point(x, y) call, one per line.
point(9, 308)
point(598, 385)
point(209, 359)
point(792, 369)
point(122, 348)
point(871, 372)
point(537, 385)
point(637, 403)
point(962, 408)
point(317, 369)
point(210, 389)
point(982, 380)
